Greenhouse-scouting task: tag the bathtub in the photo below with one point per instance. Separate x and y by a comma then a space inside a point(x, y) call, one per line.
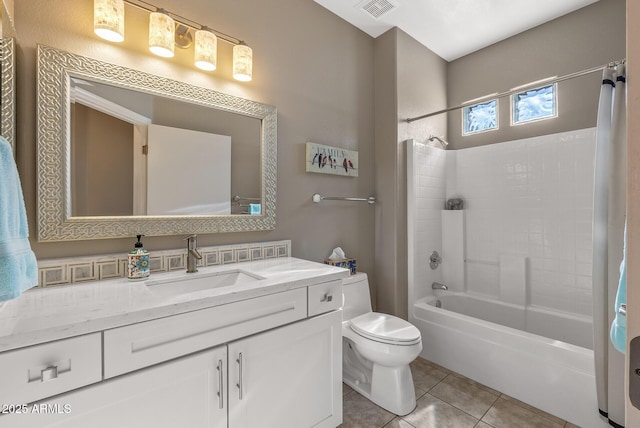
point(548, 373)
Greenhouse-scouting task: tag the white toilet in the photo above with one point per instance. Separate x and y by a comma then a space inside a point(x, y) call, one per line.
point(377, 349)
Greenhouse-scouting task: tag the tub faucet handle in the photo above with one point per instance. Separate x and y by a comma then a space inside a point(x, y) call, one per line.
point(434, 260)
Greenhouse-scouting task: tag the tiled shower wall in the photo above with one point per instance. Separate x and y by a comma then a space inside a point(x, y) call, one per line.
point(426, 185)
point(529, 198)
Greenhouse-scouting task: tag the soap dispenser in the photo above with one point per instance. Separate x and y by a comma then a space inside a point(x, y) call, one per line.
point(138, 262)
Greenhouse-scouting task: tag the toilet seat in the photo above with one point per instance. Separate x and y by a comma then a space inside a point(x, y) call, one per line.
point(386, 329)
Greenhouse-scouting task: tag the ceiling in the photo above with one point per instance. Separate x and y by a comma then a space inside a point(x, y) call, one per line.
point(451, 28)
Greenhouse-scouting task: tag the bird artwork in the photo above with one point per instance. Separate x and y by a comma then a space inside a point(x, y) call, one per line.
point(331, 160)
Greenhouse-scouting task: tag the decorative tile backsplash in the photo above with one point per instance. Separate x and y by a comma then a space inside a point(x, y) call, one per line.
point(74, 270)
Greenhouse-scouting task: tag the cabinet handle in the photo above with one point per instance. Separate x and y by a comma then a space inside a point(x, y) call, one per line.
point(220, 386)
point(239, 384)
point(327, 298)
point(49, 373)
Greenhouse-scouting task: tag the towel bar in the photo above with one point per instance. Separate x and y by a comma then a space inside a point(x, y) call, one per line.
point(237, 198)
point(317, 198)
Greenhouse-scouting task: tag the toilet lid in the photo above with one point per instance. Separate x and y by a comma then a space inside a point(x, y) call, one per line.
point(385, 328)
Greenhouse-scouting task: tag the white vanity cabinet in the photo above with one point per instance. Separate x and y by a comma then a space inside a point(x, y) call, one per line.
point(268, 361)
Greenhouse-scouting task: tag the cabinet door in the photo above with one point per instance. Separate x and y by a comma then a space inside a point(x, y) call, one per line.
point(288, 377)
point(179, 393)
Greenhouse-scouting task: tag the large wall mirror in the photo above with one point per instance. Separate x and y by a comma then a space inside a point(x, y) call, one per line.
point(123, 152)
point(8, 92)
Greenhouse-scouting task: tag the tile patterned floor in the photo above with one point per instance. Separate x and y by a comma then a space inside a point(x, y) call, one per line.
point(448, 400)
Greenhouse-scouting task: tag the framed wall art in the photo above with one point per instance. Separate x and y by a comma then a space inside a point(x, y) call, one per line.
point(331, 160)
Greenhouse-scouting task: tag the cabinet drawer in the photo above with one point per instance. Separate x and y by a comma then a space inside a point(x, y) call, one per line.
point(40, 371)
point(325, 297)
point(139, 345)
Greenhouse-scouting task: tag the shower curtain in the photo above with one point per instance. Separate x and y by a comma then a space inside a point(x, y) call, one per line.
point(609, 212)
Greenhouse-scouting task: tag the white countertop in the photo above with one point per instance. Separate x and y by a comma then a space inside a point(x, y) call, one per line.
point(43, 315)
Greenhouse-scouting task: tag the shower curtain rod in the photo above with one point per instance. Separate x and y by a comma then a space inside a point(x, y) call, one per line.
point(513, 91)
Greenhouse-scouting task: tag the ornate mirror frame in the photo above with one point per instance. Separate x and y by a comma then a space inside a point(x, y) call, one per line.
point(55, 223)
point(8, 92)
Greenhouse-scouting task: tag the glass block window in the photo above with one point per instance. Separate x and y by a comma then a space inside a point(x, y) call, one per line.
point(534, 104)
point(480, 117)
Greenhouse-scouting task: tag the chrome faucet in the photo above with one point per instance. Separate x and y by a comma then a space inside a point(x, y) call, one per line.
point(193, 255)
point(439, 286)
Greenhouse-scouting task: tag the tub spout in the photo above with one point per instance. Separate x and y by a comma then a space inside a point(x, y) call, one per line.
point(439, 286)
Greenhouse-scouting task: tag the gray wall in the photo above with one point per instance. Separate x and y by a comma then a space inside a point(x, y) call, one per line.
point(409, 78)
point(632, 414)
point(386, 176)
point(315, 67)
point(589, 37)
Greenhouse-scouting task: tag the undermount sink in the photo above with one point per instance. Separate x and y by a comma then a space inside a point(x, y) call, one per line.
point(192, 282)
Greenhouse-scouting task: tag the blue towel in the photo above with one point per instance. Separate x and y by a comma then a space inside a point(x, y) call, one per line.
point(255, 209)
point(18, 265)
point(619, 324)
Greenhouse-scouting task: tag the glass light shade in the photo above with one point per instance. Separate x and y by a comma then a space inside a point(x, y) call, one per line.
point(162, 33)
point(108, 19)
point(206, 50)
point(242, 62)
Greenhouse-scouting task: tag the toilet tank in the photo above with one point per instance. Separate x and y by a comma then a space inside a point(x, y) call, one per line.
point(357, 299)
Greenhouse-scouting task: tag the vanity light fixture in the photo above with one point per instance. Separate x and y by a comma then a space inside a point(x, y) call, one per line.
point(167, 30)
point(108, 19)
